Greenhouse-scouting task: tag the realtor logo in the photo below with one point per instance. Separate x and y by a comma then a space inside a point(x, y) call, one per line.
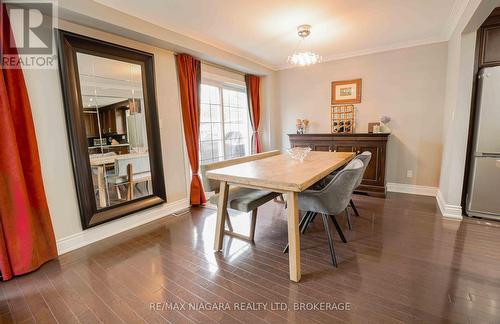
point(32, 24)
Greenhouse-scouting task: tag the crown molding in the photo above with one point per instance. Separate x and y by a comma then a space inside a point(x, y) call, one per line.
point(451, 23)
point(456, 13)
point(373, 50)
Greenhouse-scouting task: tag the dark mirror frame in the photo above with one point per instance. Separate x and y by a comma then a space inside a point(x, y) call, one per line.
point(68, 45)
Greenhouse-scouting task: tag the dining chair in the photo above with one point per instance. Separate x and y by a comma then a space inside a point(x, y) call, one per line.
point(330, 200)
point(321, 184)
point(365, 157)
point(130, 170)
point(239, 198)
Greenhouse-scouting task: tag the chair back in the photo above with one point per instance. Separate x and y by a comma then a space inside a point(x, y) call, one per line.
point(365, 157)
point(213, 185)
point(335, 196)
point(140, 165)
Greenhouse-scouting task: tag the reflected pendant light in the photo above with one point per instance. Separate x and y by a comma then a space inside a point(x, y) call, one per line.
point(306, 57)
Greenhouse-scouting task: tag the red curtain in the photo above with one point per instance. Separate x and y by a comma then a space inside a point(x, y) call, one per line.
point(253, 94)
point(189, 73)
point(26, 236)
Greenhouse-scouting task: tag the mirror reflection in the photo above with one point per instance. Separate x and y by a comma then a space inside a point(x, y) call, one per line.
point(115, 125)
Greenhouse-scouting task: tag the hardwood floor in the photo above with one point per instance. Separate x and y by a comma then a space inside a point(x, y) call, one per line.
point(403, 263)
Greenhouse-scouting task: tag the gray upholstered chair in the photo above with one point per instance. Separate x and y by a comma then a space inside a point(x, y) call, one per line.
point(331, 200)
point(365, 157)
point(239, 198)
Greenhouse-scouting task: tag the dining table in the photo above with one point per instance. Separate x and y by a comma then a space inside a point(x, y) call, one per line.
point(279, 173)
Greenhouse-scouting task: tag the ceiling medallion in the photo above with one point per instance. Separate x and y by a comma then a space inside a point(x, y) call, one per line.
point(303, 58)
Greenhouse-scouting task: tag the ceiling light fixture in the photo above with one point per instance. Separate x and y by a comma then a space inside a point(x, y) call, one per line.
point(306, 57)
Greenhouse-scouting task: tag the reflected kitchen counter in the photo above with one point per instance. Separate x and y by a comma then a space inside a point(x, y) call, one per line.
point(112, 158)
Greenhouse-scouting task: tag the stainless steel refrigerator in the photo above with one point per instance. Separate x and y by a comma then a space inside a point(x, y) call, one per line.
point(483, 196)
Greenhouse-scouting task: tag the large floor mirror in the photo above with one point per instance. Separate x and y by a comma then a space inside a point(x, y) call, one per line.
point(113, 127)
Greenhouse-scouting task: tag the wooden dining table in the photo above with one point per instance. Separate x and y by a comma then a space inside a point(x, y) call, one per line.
point(278, 173)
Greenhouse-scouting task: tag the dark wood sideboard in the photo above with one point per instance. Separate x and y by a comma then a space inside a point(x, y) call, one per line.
point(374, 179)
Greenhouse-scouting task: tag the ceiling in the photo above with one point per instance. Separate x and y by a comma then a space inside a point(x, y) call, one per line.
point(105, 81)
point(264, 31)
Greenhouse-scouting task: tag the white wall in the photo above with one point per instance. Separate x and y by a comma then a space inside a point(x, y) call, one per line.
point(406, 84)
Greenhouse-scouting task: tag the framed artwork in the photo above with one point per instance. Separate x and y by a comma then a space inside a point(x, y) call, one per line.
point(346, 92)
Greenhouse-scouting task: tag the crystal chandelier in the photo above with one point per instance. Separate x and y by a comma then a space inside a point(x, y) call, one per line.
point(306, 57)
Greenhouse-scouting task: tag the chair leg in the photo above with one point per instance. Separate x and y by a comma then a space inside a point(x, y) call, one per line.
point(354, 208)
point(330, 241)
point(118, 193)
point(339, 230)
point(301, 224)
point(228, 222)
point(309, 221)
point(280, 199)
point(348, 216)
point(252, 224)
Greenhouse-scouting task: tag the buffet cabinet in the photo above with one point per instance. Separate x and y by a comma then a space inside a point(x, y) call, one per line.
point(374, 178)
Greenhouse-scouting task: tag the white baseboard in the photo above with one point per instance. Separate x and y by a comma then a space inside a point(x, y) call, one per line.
point(103, 231)
point(448, 211)
point(412, 189)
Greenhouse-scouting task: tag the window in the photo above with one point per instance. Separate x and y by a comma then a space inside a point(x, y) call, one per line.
point(225, 130)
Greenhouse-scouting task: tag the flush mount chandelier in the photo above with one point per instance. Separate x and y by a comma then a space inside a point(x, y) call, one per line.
point(303, 58)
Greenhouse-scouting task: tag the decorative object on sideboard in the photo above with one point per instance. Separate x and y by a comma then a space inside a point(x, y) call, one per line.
point(301, 125)
point(384, 120)
point(346, 92)
point(343, 119)
point(371, 127)
point(305, 122)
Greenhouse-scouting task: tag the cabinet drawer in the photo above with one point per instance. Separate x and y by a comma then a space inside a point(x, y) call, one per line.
point(323, 147)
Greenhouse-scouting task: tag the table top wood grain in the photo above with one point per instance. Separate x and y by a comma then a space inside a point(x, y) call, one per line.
point(281, 173)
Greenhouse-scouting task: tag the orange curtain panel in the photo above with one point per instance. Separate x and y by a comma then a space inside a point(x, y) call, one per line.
point(189, 73)
point(253, 94)
point(26, 235)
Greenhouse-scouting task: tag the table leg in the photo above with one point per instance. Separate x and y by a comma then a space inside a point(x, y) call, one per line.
point(221, 215)
point(293, 235)
point(101, 185)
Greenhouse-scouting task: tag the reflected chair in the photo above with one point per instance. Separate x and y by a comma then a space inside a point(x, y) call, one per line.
point(129, 171)
point(330, 200)
point(239, 198)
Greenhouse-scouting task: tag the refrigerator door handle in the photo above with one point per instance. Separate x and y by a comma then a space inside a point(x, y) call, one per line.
point(488, 154)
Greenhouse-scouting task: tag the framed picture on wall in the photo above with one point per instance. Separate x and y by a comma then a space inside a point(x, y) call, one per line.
point(346, 92)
